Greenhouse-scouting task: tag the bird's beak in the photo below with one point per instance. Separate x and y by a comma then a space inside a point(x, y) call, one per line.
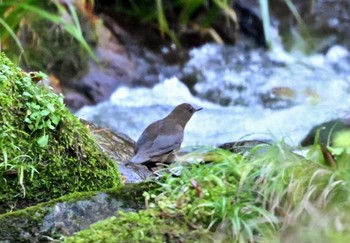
point(198, 109)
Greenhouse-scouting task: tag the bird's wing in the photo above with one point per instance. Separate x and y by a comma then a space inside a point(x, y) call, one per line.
point(147, 138)
point(139, 158)
point(165, 142)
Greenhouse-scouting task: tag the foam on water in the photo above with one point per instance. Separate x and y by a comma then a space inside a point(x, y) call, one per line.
point(320, 86)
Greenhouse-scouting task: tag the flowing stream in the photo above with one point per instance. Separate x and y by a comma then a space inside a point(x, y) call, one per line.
point(246, 93)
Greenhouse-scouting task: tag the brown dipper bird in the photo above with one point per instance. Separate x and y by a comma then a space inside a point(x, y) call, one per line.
point(161, 139)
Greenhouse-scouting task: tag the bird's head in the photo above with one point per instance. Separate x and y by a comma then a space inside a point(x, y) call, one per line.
point(183, 113)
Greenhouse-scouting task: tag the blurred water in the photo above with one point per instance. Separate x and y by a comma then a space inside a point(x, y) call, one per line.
point(232, 75)
point(245, 94)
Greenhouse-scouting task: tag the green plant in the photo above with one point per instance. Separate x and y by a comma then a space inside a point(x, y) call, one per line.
point(19, 165)
point(13, 12)
point(45, 151)
point(269, 194)
point(211, 195)
point(41, 115)
point(264, 9)
point(172, 17)
point(256, 195)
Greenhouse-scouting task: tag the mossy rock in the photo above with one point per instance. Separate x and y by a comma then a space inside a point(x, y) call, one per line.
point(68, 214)
point(45, 151)
point(145, 226)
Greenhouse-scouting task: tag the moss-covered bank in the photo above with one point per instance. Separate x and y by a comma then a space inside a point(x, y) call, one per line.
point(145, 226)
point(68, 214)
point(269, 194)
point(45, 151)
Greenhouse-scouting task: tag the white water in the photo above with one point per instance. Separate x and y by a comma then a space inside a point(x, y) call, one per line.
point(320, 85)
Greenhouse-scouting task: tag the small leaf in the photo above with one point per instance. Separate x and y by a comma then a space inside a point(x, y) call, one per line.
point(27, 120)
point(49, 124)
point(342, 139)
point(50, 107)
point(25, 93)
point(61, 99)
point(55, 119)
point(45, 112)
point(43, 141)
point(34, 106)
point(336, 150)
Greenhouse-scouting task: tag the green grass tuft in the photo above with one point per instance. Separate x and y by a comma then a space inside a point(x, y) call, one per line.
point(269, 194)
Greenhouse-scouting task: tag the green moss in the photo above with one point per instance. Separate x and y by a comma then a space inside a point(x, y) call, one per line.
point(145, 226)
point(268, 193)
point(13, 223)
point(45, 151)
point(27, 221)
